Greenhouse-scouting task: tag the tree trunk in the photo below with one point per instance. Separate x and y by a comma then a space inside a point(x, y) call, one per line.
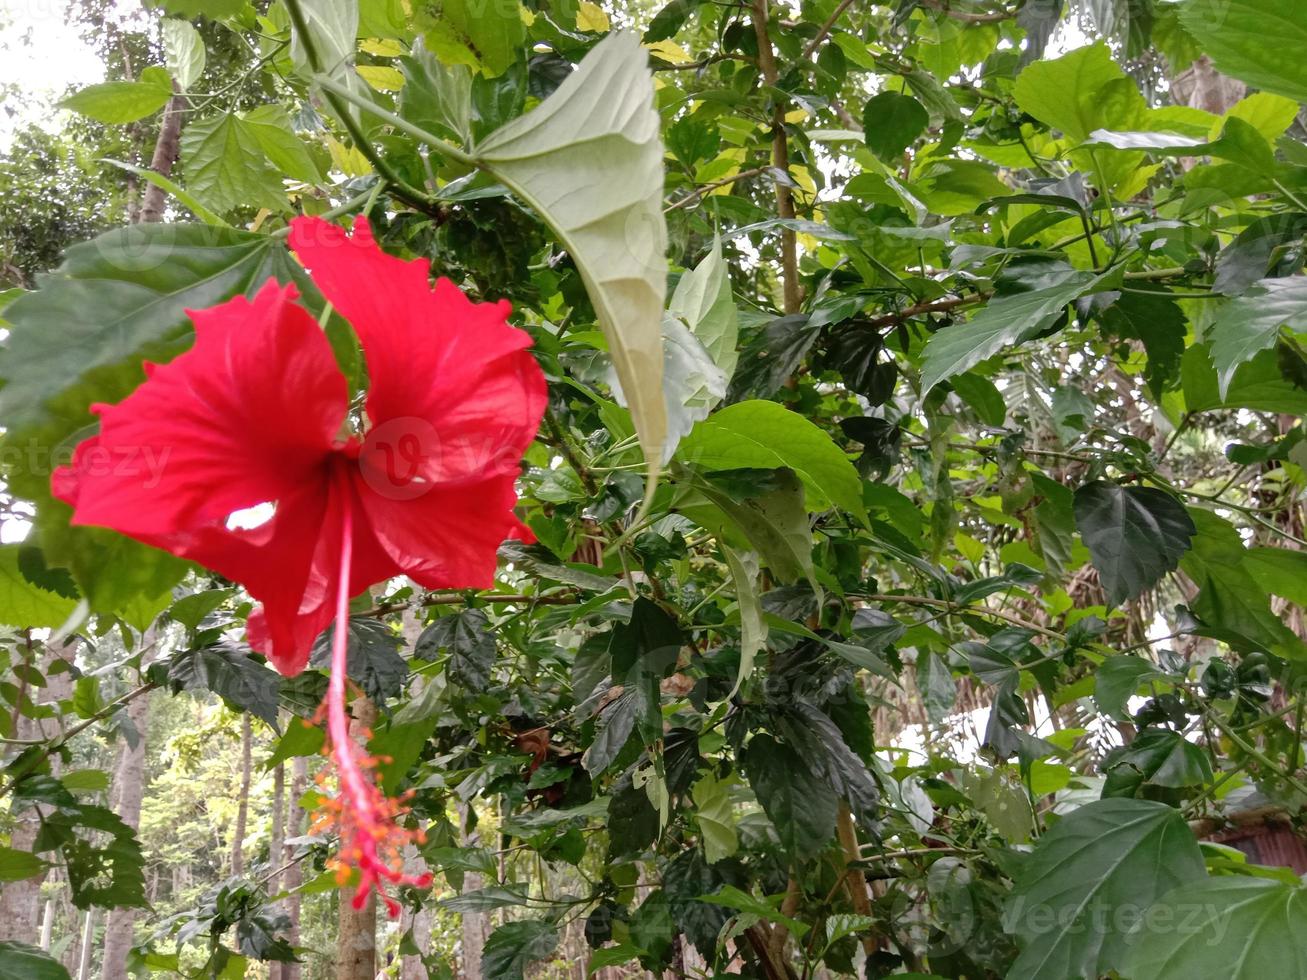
point(166, 148)
point(356, 936)
point(243, 803)
point(294, 876)
point(88, 944)
point(476, 925)
point(277, 842)
point(129, 784)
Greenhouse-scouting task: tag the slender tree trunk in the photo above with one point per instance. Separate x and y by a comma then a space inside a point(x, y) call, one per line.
point(356, 936)
point(277, 842)
point(88, 944)
point(242, 804)
point(130, 788)
point(476, 925)
point(166, 148)
point(294, 876)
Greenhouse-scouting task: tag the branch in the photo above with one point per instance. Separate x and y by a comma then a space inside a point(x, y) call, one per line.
point(165, 155)
point(957, 607)
point(708, 188)
point(826, 29)
point(994, 17)
point(791, 295)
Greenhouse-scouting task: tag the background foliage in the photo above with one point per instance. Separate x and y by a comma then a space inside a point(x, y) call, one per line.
point(966, 618)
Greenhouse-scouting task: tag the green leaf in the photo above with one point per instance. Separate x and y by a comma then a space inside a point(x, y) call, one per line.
point(891, 122)
point(1080, 92)
point(19, 961)
point(1235, 928)
point(798, 803)
point(1251, 323)
point(703, 299)
point(513, 947)
point(765, 435)
point(86, 780)
point(1106, 857)
point(373, 661)
point(116, 103)
point(190, 610)
point(714, 813)
point(495, 31)
point(1235, 34)
point(1257, 385)
point(775, 523)
point(233, 675)
point(436, 96)
point(560, 158)
point(17, 865)
point(1230, 599)
point(693, 384)
point(613, 730)
point(982, 396)
point(1159, 324)
point(23, 604)
point(225, 164)
point(183, 52)
point(470, 641)
point(622, 952)
point(1004, 321)
point(1279, 571)
point(332, 26)
point(1117, 679)
point(273, 132)
point(753, 628)
point(1156, 757)
point(1135, 535)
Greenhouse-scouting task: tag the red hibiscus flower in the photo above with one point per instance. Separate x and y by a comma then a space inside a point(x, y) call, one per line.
point(257, 412)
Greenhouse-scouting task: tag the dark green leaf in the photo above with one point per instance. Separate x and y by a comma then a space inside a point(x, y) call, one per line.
point(800, 806)
point(470, 642)
point(373, 657)
point(19, 961)
point(513, 947)
point(1135, 535)
point(891, 122)
point(232, 674)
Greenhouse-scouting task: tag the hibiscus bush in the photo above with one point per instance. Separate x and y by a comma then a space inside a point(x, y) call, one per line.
point(762, 488)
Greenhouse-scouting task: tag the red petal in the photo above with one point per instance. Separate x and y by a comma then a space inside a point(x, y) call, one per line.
point(453, 396)
point(446, 538)
point(246, 416)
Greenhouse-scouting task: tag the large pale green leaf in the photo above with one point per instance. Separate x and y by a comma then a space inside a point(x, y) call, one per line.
point(561, 159)
point(123, 102)
point(1250, 323)
point(1004, 321)
point(1260, 42)
point(226, 166)
point(1279, 571)
point(1112, 855)
point(1235, 928)
point(765, 435)
point(436, 96)
point(23, 604)
point(332, 26)
point(183, 51)
point(703, 299)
